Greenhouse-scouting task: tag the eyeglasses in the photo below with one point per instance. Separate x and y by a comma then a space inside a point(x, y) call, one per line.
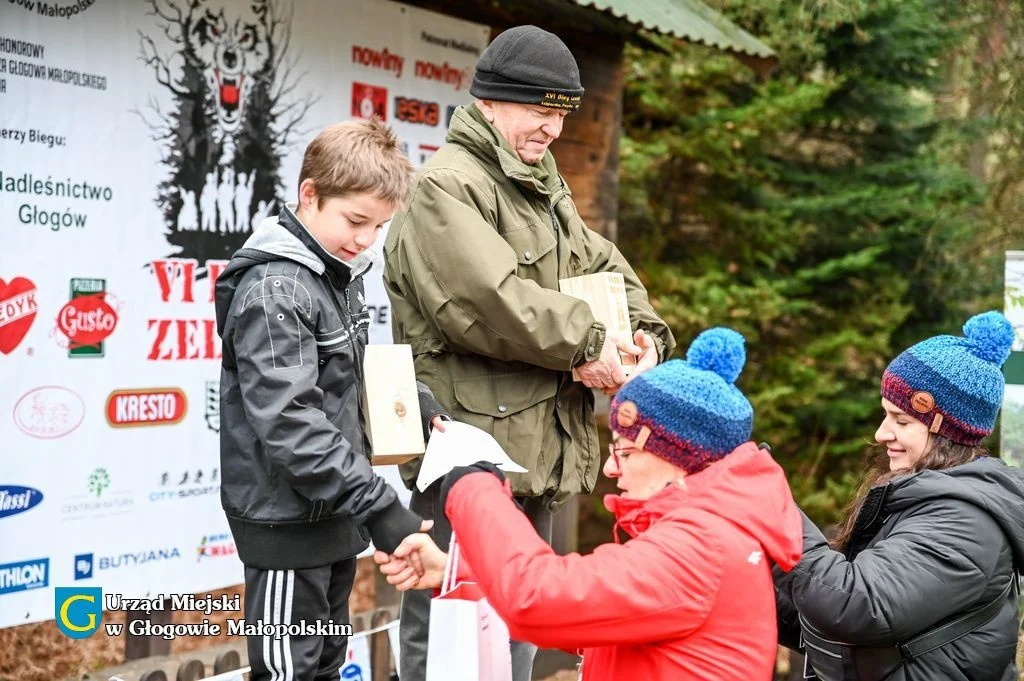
point(620, 453)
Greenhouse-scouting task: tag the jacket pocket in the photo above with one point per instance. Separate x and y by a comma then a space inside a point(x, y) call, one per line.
point(512, 408)
point(530, 243)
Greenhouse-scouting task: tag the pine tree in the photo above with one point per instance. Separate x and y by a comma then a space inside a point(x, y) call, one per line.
point(813, 211)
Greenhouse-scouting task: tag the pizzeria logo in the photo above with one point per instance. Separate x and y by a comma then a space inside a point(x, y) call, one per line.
point(88, 319)
point(146, 407)
point(369, 101)
point(17, 312)
point(417, 111)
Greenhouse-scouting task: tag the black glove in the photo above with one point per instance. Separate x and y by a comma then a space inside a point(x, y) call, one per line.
point(456, 473)
point(429, 408)
point(389, 527)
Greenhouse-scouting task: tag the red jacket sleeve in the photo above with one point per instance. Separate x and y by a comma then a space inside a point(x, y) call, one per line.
point(662, 584)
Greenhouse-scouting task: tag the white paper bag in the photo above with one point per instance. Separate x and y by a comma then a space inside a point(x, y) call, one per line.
point(467, 639)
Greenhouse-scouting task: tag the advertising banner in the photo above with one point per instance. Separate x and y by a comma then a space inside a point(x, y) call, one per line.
point(140, 143)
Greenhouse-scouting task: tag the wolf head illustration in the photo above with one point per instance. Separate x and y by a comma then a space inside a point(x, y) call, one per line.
point(231, 52)
point(229, 119)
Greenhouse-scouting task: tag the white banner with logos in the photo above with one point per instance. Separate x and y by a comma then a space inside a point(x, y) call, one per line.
point(140, 141)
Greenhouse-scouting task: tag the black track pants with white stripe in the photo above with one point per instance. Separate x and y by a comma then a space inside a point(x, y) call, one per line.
point(288, 597)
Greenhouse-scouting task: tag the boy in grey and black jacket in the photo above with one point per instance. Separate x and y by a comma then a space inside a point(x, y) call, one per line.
point(300, 495)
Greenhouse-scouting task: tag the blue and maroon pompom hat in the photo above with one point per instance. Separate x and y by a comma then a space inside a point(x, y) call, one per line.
point(952, 384)
point(689, 413)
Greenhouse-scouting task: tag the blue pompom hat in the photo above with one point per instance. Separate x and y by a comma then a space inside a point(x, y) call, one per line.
point(689, 413)
point(951, 384)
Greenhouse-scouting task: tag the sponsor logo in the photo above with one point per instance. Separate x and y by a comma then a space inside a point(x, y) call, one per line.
point(369, 101)
point(87, 319)
point(49, 412)
point(457, 77)
point(17, 312)
point(99, 499)
point(83, 566)
point(146, 407)
point(25, 575)
point(15, 499)
point(213, 406)
point(451, 43)
point(215, 546)
point(385, 60)
point(126, 560)
point(417, 111)
point(188, 485)
point(78, 610)
point(448, 113)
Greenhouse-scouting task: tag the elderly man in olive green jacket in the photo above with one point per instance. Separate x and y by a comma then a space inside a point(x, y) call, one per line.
point(472, 270)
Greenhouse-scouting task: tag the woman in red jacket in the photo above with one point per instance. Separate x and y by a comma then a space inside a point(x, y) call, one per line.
point(689, 595)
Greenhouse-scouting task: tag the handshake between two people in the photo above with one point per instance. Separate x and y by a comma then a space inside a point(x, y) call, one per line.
point(418, 563)
point(606, 373)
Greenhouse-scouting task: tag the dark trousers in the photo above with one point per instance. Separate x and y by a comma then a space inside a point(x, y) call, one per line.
point(415, 613)
point(288, 597)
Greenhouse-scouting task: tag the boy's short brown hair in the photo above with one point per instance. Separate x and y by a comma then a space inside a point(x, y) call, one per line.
point(358, 156)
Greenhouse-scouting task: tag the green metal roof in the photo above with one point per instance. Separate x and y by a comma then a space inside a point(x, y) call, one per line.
point(687, 19)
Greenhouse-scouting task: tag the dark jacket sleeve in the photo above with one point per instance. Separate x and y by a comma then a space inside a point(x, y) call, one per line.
point(936, 562)
point(277, 359)
point(786, 616)
point(429, 407)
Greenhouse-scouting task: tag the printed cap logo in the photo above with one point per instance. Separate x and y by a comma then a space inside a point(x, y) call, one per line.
point(78, 611)
point(922, 402)
point(627, 414)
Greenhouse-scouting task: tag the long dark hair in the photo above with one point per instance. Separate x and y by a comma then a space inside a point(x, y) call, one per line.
point(942, 453)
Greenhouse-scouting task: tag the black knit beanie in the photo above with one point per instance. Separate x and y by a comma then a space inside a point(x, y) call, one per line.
point(529, 65)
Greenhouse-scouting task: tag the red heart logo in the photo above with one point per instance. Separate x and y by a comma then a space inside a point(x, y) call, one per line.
point(17, 312)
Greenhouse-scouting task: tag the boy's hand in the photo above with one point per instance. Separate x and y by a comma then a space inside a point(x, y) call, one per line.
point(415, 549)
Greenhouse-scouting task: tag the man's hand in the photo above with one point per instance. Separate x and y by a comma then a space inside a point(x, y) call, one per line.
point(648, 359)
point(416, 549)
point(437, 423)
point(648, 354)
point(606, 371)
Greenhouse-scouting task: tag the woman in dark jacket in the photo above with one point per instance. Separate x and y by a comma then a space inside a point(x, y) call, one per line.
point(920, 583)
